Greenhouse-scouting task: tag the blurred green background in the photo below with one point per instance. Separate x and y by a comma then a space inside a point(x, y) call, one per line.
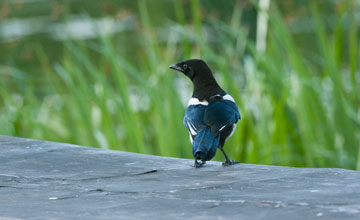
point(96, 73)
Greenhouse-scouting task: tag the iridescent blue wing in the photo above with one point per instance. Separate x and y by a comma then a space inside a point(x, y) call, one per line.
point(220, 114)
point(194, 120)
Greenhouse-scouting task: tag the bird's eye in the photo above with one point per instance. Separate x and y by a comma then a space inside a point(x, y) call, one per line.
point(185, 66)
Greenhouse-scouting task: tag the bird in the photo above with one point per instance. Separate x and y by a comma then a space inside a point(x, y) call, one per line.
point(211, 114)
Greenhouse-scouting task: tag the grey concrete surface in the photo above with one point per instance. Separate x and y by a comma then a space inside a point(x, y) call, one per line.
point(47, 180)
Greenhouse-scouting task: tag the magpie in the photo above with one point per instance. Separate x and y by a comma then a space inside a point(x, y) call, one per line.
point(211, 114)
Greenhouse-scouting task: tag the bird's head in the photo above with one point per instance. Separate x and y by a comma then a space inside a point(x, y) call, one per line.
point(192, 68)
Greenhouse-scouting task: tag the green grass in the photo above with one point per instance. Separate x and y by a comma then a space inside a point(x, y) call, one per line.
point(297, 109)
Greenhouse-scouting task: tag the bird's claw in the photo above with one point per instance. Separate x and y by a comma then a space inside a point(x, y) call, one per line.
point(229, 162)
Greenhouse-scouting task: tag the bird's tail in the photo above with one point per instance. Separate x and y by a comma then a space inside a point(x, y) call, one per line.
point(205, 145)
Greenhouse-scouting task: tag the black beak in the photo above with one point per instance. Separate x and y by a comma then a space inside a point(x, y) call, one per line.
point(177, 67)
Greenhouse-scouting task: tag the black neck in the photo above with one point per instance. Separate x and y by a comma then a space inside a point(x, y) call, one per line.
point(204, 89)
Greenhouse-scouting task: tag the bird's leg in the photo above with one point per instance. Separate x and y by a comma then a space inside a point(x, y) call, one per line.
point(199, 164)
point(227, 162)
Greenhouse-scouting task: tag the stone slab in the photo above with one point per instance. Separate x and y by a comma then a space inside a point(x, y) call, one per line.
point(47, 180)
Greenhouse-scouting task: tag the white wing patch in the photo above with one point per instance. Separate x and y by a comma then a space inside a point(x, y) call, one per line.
point(191, 129)
point(222, 128)
point(191, 138)
point(232, 132)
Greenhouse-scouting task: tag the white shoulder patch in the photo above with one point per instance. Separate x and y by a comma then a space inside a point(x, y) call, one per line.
point(195, 101)
point(229, 98)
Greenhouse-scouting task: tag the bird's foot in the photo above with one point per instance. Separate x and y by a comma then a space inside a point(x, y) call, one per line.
point(199, 164)
point(229, 162)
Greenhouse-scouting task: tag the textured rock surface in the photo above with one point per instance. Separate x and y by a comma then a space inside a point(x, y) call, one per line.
point(46, 180)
